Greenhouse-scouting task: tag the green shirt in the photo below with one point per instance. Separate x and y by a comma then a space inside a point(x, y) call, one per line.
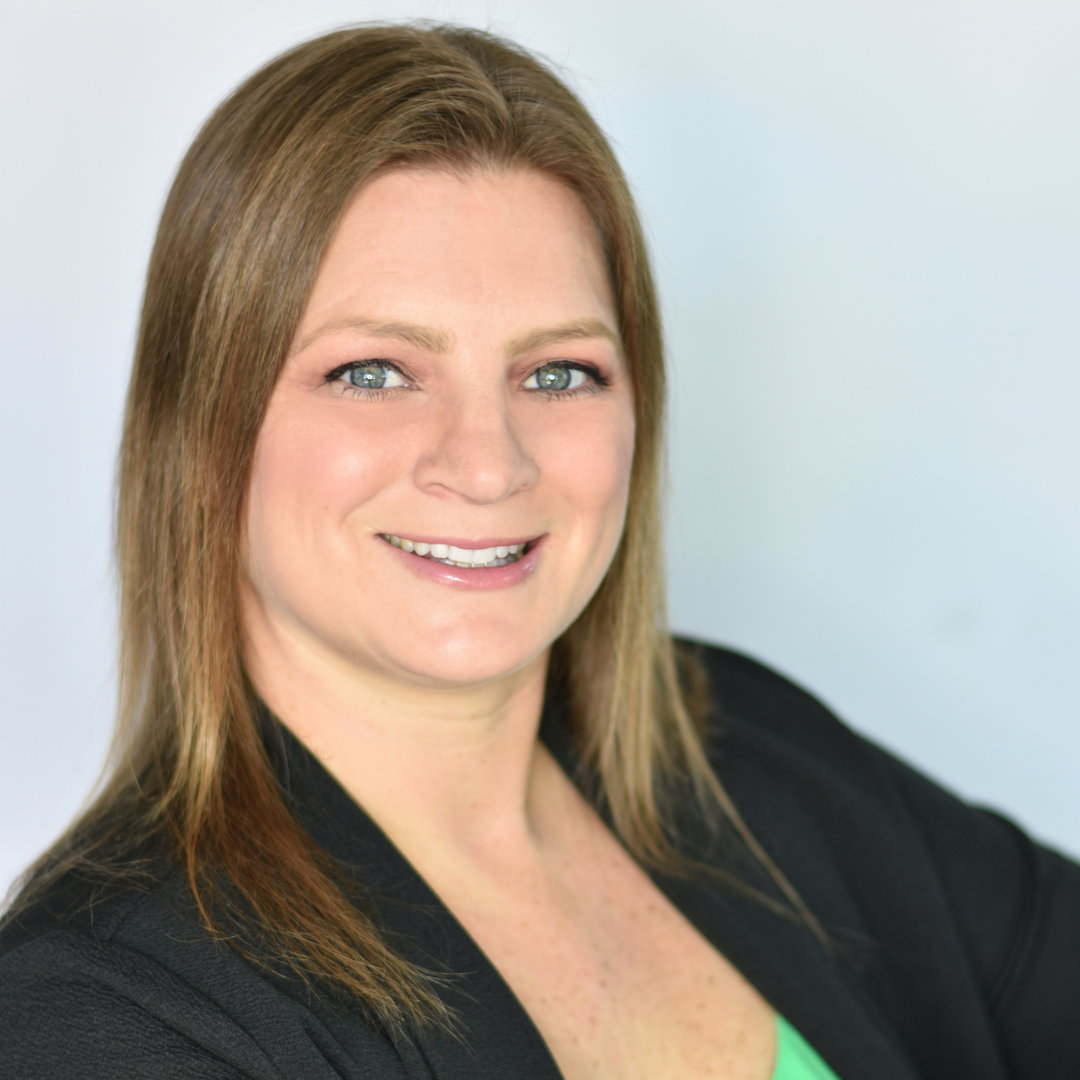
point(796, 1059)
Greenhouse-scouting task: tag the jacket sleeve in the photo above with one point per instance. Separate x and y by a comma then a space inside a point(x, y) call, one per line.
point(1017, 909)
point(73, 1007)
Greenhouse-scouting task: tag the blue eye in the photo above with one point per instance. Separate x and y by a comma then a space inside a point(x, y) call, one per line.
point(555, 377)
point(373, 377)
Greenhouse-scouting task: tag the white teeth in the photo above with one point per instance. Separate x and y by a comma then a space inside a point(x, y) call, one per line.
point(488, 557)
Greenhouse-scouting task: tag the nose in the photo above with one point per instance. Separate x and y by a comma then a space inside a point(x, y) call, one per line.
point(476, 452)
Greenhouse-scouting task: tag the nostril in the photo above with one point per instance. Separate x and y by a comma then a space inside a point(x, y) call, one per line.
point(476, 452)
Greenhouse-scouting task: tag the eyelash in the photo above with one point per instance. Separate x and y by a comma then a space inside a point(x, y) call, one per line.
point(339, 373)
point(599, 380)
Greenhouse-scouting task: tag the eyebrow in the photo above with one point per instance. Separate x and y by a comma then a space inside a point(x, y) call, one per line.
point(422, 337)
point(439, 341)
point(556, 335)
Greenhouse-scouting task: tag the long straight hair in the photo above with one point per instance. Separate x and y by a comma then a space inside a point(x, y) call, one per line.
point(253, 207)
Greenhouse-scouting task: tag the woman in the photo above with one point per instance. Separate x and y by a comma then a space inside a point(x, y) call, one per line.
point(409, 780)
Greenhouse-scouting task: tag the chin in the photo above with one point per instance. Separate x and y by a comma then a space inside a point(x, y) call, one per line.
point(462, 660)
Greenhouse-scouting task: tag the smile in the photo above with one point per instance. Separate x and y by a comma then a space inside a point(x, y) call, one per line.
point(449, 555)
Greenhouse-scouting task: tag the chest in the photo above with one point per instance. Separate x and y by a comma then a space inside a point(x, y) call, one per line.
point(620, 985)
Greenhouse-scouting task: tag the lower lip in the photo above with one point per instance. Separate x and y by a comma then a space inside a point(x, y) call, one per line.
point(498, 577)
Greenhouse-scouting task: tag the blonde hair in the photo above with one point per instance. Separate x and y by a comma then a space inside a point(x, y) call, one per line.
point(248, 218)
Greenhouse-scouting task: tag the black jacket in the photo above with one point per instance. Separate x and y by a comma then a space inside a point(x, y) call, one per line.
point(957, 951)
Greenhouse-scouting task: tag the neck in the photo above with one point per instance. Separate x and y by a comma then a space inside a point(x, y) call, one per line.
point(450, 765)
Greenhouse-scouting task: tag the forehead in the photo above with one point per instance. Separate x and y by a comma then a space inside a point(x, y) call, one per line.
point(497, 240)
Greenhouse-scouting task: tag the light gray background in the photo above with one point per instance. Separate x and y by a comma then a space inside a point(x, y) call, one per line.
point(866, 225)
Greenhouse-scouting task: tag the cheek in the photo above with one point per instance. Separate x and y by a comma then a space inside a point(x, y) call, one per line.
point(588, 461)
point(309, 473)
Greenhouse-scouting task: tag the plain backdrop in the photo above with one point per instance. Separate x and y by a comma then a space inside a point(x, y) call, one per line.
point(865, 220)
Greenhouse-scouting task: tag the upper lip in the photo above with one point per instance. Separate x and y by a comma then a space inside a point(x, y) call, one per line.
point(465, 545)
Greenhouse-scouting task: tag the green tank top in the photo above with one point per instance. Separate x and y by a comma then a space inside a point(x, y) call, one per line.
point(796, 1059)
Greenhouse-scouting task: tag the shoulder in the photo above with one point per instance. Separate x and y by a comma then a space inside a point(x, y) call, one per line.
point(74, 1000)
point(745, 693)
point(118, 981)
point(764, 724)
point(766, 732)
point(875, 846)
point(82, 904)
point(790, 759)
point(71, 1005)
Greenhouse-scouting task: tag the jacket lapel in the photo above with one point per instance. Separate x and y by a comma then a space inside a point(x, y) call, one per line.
point(497, 1038)
point(792, 971)
point(779, 957)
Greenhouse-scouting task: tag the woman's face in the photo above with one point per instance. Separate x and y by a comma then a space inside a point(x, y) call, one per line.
point(456, 387)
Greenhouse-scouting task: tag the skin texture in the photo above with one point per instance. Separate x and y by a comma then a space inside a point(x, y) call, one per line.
point(420, 687)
